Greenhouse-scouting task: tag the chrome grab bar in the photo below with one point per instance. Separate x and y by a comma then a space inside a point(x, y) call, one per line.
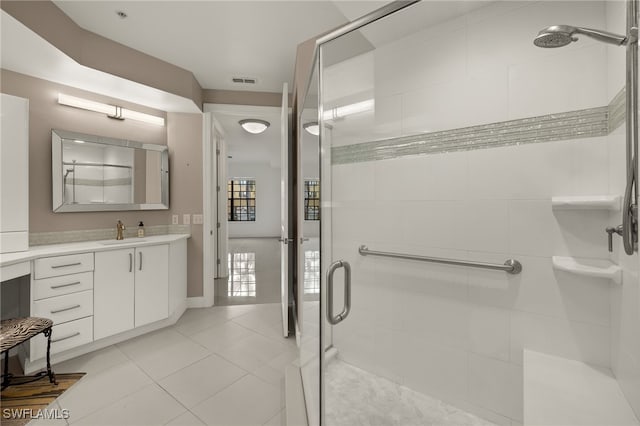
point(510, 266)
point(335, 319)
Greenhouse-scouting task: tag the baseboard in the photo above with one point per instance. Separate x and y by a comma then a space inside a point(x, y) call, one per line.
point(198, 302)
point(295, 410)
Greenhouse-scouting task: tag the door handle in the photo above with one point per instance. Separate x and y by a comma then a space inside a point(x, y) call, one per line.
point(130, 262)
point(140, 266)
point(335, 319)
point(286, 240)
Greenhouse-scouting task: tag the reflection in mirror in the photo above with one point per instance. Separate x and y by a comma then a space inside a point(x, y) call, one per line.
point(242, 275)
point(92, 173)
point(311, 272)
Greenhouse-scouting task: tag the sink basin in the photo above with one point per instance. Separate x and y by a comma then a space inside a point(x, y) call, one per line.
point(118, 242)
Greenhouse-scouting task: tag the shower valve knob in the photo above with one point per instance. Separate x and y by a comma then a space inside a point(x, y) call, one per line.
point(610, 231)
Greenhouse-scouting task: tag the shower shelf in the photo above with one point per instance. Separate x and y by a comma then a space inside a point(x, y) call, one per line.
point(599, 268)
point(586, 202)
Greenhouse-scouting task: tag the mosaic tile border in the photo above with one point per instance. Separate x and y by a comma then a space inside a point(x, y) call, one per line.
point(60, 237)
point(584, 123)
point(617, 110)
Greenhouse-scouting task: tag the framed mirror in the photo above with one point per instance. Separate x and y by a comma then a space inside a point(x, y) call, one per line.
point(96, 173)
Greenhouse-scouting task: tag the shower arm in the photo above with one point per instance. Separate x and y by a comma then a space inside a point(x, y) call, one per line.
point(603, 36)
point(630, 205)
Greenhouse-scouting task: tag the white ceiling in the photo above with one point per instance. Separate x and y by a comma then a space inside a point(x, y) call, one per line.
point(244, 147)
point(217, 40)
point(36, 57)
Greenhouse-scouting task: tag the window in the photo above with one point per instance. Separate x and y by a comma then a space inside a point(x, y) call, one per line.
point(312, 199)
point(241, 194)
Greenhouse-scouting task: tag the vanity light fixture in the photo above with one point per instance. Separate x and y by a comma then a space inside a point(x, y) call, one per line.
point(312, 127)
point(254, 125)
point(112, 111)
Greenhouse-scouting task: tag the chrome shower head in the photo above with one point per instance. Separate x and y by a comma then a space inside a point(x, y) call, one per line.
point(555, 36)
point(561, 35)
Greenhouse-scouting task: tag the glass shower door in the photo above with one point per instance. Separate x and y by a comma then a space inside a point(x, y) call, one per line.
point(446, 133)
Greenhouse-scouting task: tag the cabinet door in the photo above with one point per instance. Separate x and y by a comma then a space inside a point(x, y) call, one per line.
point(152, 284)
point(113, 292)
point(14, 174)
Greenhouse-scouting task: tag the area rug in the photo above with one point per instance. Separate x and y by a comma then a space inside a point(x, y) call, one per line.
point(22, 403)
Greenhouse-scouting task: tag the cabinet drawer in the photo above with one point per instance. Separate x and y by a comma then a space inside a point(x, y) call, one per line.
point(63, 265)
point(65, 336)
point(66, 284)
point(65, 308)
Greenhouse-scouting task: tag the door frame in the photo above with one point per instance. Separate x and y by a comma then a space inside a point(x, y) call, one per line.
point(210, 126)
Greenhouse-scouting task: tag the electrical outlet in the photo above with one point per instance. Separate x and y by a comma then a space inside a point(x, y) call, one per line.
point(197, 219)
point(186, 219)
point(174, 219)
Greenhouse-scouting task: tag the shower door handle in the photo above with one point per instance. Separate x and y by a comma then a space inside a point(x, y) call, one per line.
point(335, 319)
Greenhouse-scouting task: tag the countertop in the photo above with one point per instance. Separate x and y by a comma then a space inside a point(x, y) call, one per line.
point(86, 246)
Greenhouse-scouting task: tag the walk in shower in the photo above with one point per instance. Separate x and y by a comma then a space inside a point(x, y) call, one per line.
point(468, 178)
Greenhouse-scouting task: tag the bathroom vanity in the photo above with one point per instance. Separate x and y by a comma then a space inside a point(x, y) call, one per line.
point(99, 292)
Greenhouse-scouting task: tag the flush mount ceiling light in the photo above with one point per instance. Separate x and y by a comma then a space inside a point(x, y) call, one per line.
point(112, 111)
point(253, 125)
point(312, 127)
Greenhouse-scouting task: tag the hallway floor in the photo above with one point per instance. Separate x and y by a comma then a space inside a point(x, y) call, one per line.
point(254, 273)
point(216, 366)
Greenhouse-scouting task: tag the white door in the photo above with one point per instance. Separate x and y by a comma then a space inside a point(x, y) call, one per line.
point(113, 292)
point(284, 213)
point(152, 284)
point(222, 238)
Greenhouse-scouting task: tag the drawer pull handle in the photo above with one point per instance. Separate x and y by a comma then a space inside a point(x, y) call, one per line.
point(66, 266)
point(77, 333)
point(57, 311)
point(65, 285)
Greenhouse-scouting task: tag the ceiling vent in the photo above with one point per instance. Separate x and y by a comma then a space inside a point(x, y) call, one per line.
point(244, 80)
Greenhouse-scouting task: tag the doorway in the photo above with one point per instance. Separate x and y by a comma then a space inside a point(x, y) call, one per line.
point(244, 203)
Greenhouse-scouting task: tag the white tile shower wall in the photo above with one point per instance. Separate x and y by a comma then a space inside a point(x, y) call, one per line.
point(625, 299)
point(458, 333)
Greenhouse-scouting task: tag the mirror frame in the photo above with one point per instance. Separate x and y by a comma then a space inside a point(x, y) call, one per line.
point(57, 181)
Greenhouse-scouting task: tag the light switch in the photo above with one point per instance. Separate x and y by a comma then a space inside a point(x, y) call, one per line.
point(197, 219)
point(174, 219)
point(186, 219)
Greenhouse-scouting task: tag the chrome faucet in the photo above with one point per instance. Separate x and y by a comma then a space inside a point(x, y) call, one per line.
point(120, 228)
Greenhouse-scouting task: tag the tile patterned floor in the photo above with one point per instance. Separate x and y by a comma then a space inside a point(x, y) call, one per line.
point(217, 366)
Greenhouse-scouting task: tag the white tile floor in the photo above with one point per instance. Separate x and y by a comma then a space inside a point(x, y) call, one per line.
point(217, 366)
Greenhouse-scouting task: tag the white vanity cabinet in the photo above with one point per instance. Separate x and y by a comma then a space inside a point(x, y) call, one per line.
point(14, 174)
point(131, 288)
point(113, 290)
point(99, 293)
point(62, 290)
point(151, 284)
